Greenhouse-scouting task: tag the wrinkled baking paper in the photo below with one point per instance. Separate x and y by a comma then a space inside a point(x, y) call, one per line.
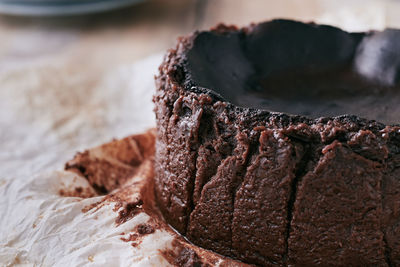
point(42, 128)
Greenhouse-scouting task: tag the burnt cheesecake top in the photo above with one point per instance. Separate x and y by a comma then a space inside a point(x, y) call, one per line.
point(296, 68)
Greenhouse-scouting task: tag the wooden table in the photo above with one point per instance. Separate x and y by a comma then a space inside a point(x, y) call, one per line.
point(132, 33)
point(89, 45)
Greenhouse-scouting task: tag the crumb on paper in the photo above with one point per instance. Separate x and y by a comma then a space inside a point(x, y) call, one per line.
point(79, 192)
point(139, 232)
point(17, 260)
point(91, 258)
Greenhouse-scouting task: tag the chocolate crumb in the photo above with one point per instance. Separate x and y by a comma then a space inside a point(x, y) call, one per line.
point(182, 256)
point(145, 229)
point(96, 205)
point(77, 192)
point(117, 206)
point(130, 210)
point(132, 237)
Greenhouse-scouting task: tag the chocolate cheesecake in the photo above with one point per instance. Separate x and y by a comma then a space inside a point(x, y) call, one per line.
point(279, 143)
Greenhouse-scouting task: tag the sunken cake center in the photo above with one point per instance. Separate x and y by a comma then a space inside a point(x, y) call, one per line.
point(325, 94)
point(304, 70)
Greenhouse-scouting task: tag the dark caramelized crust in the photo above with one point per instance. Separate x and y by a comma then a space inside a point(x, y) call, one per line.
point(237, 176)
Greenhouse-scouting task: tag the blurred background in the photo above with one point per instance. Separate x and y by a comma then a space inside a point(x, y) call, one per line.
point(68, 82)
point(151, 26)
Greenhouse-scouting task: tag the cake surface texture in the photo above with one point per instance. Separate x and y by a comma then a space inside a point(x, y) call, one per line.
point(279, 143)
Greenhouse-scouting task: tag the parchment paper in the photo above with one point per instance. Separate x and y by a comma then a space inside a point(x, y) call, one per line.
point(42, 126)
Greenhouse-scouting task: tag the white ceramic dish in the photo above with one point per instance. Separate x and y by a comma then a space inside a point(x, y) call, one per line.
point(60, 7)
